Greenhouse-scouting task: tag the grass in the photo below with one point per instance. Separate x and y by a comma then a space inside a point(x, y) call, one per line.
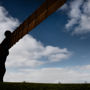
point(36, 86)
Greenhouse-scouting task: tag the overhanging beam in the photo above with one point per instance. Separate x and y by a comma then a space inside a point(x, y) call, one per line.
point(46, 9)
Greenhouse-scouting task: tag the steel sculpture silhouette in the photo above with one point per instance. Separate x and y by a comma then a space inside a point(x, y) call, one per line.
point(46, 9)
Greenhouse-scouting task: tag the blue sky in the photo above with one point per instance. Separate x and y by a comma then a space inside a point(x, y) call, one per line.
point(61, 42)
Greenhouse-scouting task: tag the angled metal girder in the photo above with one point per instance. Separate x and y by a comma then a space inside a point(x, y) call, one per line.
point(46, 9)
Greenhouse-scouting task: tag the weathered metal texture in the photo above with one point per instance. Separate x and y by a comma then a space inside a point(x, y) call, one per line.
point(46, 9)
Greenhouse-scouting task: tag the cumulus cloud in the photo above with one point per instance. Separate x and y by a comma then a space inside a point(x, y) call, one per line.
point(79, 17)
point(28, 52)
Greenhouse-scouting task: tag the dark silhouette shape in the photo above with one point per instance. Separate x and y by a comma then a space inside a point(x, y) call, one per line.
point(7, 33)
point(2, 64)
point(4, 52)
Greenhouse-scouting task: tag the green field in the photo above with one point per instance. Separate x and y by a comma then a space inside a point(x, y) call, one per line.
point(33, 86)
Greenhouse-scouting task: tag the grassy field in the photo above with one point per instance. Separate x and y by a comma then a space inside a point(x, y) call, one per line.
point(33, 86)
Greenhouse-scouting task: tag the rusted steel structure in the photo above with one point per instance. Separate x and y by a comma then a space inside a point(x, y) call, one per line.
point(46, 9)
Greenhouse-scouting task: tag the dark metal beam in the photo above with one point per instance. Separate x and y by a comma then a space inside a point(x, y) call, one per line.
point(46, 9)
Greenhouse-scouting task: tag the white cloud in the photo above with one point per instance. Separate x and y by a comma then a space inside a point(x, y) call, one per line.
point(51, 75)
point(64, 7)
point(79, 17)
point(6, 22)
point(28, 52)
